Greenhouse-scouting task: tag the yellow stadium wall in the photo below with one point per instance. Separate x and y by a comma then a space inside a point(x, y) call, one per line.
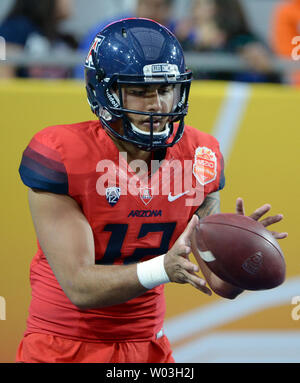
point(263, 167)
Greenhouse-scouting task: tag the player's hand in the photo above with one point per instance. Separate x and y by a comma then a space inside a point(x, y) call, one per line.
point(177, 264)
point(258, 213)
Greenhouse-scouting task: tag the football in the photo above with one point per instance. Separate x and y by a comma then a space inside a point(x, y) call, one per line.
point(240, 251)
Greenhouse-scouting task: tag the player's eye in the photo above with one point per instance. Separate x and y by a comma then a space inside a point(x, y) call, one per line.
point(138, 92)
point(164, 90)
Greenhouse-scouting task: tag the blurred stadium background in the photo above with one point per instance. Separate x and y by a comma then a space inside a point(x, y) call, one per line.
point(258, 128)
point(258, 11)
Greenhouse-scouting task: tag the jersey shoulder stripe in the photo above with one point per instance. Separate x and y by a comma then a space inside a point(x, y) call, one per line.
point(35, 180)
point(42, 168)
point(44, 150)
point(35, 157)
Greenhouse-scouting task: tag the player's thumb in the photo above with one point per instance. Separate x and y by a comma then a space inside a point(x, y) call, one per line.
point(188, 232)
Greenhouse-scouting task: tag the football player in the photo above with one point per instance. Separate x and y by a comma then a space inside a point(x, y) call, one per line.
point(110, 231)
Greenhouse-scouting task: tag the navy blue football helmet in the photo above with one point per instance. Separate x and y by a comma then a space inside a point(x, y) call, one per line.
point(138, 52)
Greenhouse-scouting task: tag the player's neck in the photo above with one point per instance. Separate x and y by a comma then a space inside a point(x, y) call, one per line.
point(133, 152)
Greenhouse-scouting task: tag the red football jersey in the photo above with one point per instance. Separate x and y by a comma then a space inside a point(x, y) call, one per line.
point(133, 218)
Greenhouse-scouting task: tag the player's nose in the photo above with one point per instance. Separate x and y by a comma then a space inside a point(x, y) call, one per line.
point(154, 102)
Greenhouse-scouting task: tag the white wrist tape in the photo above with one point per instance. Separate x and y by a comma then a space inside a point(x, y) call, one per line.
point(152, 273)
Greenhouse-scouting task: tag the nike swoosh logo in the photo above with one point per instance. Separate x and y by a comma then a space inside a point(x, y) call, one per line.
point(172, 198)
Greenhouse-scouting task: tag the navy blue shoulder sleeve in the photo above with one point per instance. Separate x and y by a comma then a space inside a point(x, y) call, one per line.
point(42, 168)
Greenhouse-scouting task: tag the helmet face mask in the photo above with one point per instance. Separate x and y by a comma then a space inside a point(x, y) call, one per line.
point(120, 59)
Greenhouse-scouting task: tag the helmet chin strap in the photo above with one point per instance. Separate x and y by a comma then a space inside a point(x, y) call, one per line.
point(163, 133)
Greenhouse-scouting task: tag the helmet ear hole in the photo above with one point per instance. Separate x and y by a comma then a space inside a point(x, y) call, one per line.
point(92, 92)
point(124, 33)
point(100, 74)
point(91, 96)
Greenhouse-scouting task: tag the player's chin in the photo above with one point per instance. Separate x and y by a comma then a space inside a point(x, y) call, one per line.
point(158, 126)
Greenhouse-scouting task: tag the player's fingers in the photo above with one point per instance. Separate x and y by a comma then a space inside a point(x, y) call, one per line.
point(204, 289)
point(186, 235)
point(187, 256)
point(183, 276)
point(190, 267)
point(184, 272)
point(198, 283)
point(260, 212)
point(239, 209)
point(186, 264)
point(190, 277)
point(279, 235)
point(182, 250)
point(271, 220)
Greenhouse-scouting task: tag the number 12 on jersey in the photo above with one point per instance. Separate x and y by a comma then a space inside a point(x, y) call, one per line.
point(117, 237)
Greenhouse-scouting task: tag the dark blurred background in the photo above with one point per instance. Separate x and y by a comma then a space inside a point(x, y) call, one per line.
point(232, 40)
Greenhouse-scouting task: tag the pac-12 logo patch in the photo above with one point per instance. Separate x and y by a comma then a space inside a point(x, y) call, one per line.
point(146, 195)
point(95, 46)
point(113, 195)
point(205, 165)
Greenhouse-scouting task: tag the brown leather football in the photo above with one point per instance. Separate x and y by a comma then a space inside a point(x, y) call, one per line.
point(240, 251)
